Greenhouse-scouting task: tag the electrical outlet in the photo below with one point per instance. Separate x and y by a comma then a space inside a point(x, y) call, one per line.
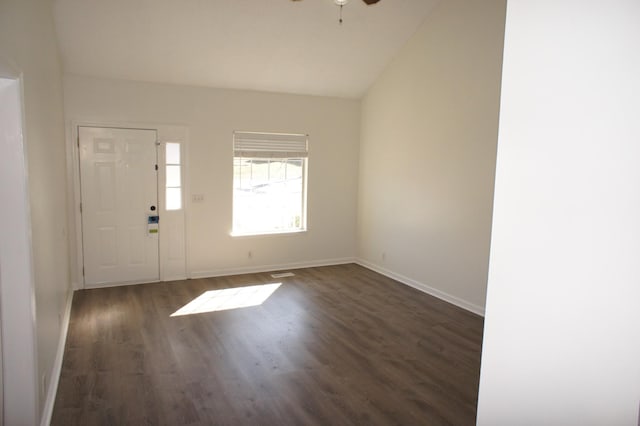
point(250, 254)
point(384, 256)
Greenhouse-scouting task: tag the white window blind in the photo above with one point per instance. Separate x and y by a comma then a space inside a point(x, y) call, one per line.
point(269, 145)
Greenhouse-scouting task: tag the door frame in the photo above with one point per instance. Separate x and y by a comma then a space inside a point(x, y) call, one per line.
point(165, 133)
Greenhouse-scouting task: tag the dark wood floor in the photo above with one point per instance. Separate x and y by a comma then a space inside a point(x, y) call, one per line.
point(336, 345)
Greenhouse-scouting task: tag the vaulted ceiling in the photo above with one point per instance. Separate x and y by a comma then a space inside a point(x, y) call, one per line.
point(270, 45)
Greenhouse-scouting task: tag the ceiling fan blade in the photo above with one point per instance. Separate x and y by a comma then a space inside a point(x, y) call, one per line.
point(370, 2)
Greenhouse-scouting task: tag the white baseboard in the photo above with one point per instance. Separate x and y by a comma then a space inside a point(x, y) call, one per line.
point(120, 284)
point(479, 310)
point(47, 411)
point(269, 268)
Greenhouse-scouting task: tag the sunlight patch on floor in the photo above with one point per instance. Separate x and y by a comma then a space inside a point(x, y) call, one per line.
point(228, 298)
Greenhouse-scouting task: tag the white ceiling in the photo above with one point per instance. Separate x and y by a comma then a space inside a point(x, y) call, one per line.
point(271, 45)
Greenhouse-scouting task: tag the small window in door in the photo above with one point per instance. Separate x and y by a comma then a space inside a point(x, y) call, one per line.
point(173, 172)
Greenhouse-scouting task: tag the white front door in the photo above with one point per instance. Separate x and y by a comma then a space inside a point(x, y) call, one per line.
point(119, 188)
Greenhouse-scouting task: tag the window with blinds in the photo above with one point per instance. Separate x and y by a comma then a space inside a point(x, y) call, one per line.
point(269, 183)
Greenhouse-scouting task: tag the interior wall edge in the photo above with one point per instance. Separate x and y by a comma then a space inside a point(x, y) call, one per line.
point(18, 326)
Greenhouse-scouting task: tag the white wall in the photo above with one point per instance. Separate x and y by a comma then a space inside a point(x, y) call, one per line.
point(18, 355)
point(562, 327)
point(429, 134)
point(212, 115)
point(27, 42)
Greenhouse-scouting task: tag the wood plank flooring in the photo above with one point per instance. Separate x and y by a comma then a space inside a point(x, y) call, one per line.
point(338, 345)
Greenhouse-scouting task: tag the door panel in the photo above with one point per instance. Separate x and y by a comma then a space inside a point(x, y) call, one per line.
point(118, 185)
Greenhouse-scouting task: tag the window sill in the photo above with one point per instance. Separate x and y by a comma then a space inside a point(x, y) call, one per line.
point(267, 233)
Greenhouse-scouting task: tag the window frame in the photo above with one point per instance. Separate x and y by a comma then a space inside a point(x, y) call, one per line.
point(282, 154)
point(166, 186)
